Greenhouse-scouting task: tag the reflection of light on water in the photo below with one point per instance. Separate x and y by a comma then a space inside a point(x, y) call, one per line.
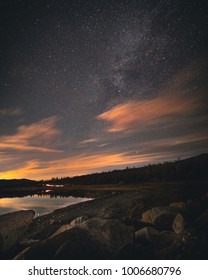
point(56, 186)
point(40, 204)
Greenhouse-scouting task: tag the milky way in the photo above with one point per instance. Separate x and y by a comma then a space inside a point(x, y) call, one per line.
point(88, 86)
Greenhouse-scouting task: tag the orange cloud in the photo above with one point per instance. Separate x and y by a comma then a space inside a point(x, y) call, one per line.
point(144, 153)
point(128, 116)
point(34, 137)
point(76, 165)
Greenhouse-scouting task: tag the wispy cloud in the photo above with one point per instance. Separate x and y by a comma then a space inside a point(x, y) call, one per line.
point(134, 115)
point(10, 112)
point(92, 140)
point(103, 145)
point(39, 136)
point(141, 154)
point(135, 133)
point(77, 165)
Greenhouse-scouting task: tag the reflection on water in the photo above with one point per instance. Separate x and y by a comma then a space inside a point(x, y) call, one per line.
point(41, 204)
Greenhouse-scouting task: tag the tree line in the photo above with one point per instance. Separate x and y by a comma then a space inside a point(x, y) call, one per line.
point(181, 170)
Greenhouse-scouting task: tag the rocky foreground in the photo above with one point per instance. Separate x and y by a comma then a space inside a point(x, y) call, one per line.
point(167, 222)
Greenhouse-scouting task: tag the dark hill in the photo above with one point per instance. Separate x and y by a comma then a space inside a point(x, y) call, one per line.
point(15, 183)
point(190, 169)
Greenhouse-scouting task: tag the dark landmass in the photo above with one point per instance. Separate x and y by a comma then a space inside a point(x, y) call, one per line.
point(167, 221)
point(52, 191)
point(147, 220)
point(17, 183)
point(190, 169)
point(19, 188)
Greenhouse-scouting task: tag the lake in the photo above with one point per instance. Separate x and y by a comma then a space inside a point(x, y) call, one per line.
point(41, 204)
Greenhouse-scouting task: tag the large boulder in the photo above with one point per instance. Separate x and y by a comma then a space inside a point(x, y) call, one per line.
point(165, 245)
point(145, 234)
point(161, 217)
point(74, 244)
point(159, 245)
point(12, 227)
point(113, 234)
point(92, 239)
point(179, 204)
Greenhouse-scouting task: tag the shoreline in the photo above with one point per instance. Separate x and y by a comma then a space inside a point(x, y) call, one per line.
point(126, 209)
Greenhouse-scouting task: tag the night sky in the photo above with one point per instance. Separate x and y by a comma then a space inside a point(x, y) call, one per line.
point(89, 86)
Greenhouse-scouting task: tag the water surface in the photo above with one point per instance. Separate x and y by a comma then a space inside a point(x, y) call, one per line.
point(41, 204)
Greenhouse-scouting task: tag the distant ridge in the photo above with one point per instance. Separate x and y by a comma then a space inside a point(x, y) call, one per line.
point(203, 156)
point(13, 183)
point(194, 168)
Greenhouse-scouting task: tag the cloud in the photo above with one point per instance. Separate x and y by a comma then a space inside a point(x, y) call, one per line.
point(162, 128)
point(141, 154)
point(103, 145)
point(39, 136)
point(86, 142)
point(10, 112)
point(76, 165)
point(187, 76)
point(92, 140)
point(186, 145)
point(134, 115)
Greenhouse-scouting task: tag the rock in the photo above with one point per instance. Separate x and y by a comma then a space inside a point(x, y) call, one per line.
point(79, 220)
point(75, 243)
point(81, 245)
point(146, 217)
point(92, 239)
point(137, 224)
point(179, 204)
point(145, 234)
point(130, 252)
point(113, 234)
point(72, 224)
point(62, 229)
point(179, 223)
point(12, 227)
point(165, 245)
point(26, 243)
point(21, 255)
point(161, 217)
